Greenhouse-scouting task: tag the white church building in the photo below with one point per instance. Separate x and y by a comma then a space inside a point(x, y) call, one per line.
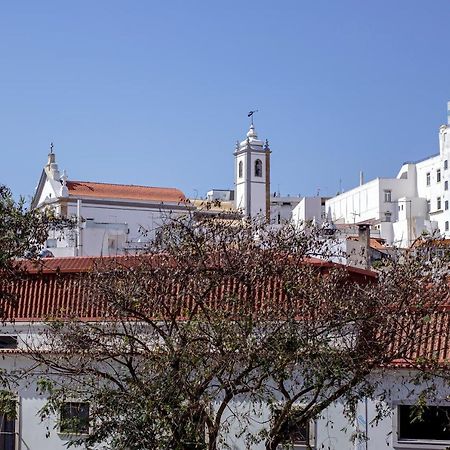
point(116, 219)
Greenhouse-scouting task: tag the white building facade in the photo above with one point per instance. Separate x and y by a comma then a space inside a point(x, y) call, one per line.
point(405, 207)
point(110, 219)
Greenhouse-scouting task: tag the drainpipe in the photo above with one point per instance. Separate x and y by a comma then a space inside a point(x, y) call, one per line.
point(79, 249)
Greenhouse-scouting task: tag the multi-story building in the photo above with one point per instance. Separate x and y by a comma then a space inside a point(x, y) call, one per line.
point(405, 207)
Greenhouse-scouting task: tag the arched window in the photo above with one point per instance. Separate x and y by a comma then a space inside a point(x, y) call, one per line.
point(258, 168)
point(240, 169)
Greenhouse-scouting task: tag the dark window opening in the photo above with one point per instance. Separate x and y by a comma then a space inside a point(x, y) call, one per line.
point(295, 429)
point(7, 433)
point(8, 342)
point(258, 168)
point(74, 418)
point(240, 169)
point(433, 423)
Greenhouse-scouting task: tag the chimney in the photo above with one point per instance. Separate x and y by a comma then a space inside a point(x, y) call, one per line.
point(364, 241)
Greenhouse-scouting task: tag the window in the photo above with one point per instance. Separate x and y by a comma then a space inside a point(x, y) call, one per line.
point(296, 433)
point(74, 418)
point(428, 178)
point(431, 425)
point(8, 424)
point(387, 216)
point(388, 196)
point(438, 203)
point(258, 168)
point(52, 243)
point(240, 169)
point(446, 204)
point(428, 205)
point(438, 175)
point(446, 225)
point(8, 342)
point(446, 164)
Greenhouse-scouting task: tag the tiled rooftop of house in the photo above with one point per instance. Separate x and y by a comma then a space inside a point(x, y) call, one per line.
point(124, 191)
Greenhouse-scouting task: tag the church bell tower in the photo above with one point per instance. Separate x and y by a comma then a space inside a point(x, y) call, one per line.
point(252, 176)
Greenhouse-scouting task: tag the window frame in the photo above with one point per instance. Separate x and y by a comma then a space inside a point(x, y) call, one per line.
point(428, 179)
point(12, 345)
point(16, 432)
point(63, 432)
point(438, 203)
point(388, 196)
point(311, 438)
point(413, 444)
point(438, 176)
point(240, 169)
point(258, 168)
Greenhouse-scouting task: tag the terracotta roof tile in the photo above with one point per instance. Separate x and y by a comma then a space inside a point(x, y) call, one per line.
point(56, 288)
point(124, 191)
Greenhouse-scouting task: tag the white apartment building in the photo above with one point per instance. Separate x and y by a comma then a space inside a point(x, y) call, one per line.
point(402, 208)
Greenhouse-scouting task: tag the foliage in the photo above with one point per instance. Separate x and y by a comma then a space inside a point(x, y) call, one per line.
point(22, 234)
point(8, 404)
point(219, 313)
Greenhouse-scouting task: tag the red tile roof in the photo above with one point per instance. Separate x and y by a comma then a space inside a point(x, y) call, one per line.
point(73, 264)
point(124, 191)
point(56, 288)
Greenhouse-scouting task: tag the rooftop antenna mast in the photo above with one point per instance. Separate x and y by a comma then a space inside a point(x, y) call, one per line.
point(250, 114)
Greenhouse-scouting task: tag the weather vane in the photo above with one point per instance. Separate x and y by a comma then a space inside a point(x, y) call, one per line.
point(250, 114)
point(51, 147)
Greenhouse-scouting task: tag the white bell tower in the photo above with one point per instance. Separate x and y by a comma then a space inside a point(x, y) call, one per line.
point(252, 176)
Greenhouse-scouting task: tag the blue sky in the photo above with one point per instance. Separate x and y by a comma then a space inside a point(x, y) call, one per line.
point(157, 93)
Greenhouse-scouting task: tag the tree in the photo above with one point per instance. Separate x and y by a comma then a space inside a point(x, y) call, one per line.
point(220, 311)
point(22, 234)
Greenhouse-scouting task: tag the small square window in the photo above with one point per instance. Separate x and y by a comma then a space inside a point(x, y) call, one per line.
point(296, 434)
point(74, 418)
point(438, 175)
point(428, 178)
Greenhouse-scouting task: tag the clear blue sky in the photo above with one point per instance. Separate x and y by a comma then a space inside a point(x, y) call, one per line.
point(157, 92)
